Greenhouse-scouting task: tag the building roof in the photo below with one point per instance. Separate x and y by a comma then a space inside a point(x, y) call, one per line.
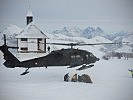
point(31, 31)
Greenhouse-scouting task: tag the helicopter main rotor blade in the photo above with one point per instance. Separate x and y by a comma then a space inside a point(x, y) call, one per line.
point(104, 43)
point(66, 44)
point(82, 44)
point(96, 44)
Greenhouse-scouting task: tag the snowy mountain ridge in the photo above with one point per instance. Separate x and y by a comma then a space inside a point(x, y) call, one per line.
point(91, 32)
point(11, 31)
point(88, 32)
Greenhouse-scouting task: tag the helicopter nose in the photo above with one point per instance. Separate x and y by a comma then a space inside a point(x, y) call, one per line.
point(97, 59)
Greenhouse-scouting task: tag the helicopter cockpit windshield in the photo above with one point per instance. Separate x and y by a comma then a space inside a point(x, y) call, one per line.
point(91, 55)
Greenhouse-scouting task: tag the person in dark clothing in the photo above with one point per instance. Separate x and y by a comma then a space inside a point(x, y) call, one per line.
point(66, 77)
point(131, 70)
point(48, 49)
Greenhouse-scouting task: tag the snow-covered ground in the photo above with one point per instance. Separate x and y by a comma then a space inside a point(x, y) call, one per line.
point(111, 81)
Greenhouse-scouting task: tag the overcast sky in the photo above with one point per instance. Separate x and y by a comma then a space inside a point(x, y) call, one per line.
point(111, 15)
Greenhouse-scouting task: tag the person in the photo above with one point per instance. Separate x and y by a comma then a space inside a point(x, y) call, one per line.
point(74, 78)
point(66, 77)
point(48, 49)
point(84, 78)
point(131, 70)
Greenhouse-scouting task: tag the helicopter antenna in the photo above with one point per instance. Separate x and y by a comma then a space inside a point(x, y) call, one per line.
point(4, 39)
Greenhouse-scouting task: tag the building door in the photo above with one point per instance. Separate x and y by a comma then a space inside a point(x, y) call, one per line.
point(39, 43)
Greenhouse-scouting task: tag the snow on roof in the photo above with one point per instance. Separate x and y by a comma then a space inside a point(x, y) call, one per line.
point(31, 31)
point(29, 13)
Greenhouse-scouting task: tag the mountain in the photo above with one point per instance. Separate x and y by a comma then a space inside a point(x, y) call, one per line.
point(125, 49)
point(74, 31)
point(11, 31)
point(117, 34)
point(88, 32)
point(97, 34)
point(91, 32)
point(122, 37)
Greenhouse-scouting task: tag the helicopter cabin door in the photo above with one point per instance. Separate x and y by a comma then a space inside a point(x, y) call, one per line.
point(40, 45)
point(76, 60)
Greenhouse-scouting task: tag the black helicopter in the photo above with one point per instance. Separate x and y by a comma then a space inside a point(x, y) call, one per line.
point(65, 57)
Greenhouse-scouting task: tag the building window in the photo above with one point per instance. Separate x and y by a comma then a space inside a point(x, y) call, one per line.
point(23, 39)
point(39, 39)
point(24, 48)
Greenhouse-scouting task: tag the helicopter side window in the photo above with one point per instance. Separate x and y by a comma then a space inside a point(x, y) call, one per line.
point(75, 56)
point(72, 57)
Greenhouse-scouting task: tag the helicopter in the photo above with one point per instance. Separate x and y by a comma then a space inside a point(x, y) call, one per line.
point(64, 57)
